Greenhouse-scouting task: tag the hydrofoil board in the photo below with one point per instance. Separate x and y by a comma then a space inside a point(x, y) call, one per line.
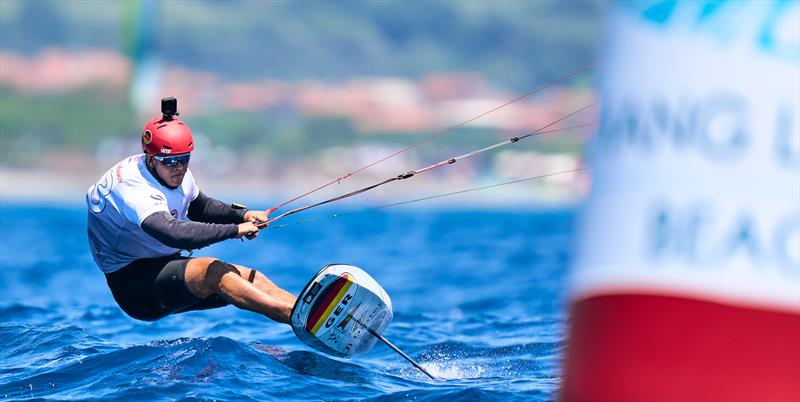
point(342, 311)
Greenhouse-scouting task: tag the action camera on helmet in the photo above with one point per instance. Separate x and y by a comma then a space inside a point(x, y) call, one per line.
point(167, 135)
point(169, 108)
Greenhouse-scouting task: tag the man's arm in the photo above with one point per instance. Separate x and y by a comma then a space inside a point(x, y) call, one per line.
point(186, 235)
point(207, 209)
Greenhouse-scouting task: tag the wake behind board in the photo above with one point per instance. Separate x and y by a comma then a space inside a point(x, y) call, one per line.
point(342, 311)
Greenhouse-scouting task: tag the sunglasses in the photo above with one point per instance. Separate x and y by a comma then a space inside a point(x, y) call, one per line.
point(170, 161)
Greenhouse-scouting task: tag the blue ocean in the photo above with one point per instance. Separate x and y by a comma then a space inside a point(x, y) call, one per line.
point(478, 301)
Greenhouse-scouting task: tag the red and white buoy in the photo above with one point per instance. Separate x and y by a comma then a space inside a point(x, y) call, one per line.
point(686, 284)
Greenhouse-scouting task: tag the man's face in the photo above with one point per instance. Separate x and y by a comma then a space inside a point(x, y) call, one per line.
point(172, 168)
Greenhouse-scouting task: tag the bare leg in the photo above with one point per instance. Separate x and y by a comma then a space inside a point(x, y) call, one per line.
point(265, 285)
point(206, 276)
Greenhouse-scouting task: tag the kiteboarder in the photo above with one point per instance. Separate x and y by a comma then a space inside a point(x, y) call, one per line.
point(147, 208)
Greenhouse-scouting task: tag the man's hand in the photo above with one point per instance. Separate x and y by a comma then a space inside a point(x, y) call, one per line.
point(259, 218)
point(247, 229)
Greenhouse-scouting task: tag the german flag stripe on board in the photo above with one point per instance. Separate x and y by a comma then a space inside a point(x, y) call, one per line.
point(327, 301)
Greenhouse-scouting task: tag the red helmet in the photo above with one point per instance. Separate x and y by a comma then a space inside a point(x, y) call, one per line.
point(166, 137)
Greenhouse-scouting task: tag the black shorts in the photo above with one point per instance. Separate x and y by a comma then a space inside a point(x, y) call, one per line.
point(152, 288)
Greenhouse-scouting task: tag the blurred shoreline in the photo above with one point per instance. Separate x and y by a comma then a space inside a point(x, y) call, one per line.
point(375, 80)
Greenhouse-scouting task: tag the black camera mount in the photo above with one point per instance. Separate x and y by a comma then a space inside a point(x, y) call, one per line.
point(169, 108)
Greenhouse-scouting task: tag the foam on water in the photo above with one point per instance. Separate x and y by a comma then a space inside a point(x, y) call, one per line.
point(454, 370)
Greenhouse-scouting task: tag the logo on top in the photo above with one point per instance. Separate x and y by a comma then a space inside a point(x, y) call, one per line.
point(147, 137)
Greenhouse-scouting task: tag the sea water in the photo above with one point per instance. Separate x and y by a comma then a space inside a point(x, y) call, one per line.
point(478, 301)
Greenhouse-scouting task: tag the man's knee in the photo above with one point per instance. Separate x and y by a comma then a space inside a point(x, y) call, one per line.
point(249, 274)
point(206, 272)
point(217, 269)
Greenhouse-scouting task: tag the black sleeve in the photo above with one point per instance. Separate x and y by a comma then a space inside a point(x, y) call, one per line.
point(186, 235)
point(207, 209)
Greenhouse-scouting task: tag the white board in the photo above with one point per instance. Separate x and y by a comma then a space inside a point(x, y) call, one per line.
point(335, 309)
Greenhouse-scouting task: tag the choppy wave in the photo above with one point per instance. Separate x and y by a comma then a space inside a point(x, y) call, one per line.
point(487, 324)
